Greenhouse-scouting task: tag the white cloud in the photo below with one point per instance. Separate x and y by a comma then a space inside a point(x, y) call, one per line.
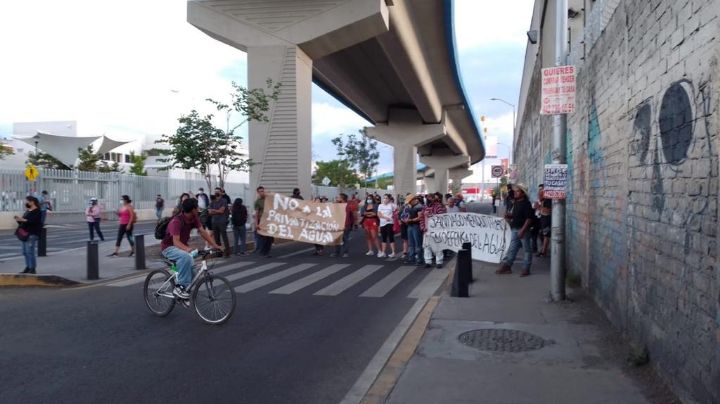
point(500, 127)
point(329, 120)
point(482, 23)
point(107, 64)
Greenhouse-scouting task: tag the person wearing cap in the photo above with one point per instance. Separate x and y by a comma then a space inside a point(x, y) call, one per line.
point(415, 251)
point(520, 218)
point(93, 215)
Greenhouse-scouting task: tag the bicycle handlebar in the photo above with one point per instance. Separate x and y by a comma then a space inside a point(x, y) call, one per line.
point(213, 252)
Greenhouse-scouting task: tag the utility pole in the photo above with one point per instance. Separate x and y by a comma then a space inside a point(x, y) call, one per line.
point(557, 246)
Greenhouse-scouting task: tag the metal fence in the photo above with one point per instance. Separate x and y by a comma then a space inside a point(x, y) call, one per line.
point(70, 190)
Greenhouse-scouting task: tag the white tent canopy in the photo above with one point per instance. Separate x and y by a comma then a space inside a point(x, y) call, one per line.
point(65, 148)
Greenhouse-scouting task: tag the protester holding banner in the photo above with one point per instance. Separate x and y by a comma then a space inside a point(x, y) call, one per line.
point(434, 207)
point(370, 223)
point(319, 248)
point(386, 211)
point(520, 218)
point(415, 253)
point(264, 242)
point(344, 248)
point(403, 215)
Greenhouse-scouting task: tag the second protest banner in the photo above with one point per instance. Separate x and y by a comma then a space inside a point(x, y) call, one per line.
point(489, 235)
point(299, 220)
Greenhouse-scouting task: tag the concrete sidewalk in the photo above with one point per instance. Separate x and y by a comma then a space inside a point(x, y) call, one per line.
point(71, 265)
point(580, 359)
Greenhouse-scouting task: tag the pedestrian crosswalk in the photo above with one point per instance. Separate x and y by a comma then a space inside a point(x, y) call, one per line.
point(325, 279)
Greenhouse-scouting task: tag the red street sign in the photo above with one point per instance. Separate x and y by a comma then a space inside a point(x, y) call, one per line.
point(558, 90)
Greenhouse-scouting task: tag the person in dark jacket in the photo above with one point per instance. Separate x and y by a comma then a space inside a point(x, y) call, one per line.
point(31, 221)
point(239, 220)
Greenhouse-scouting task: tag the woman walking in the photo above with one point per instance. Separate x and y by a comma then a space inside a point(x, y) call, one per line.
point(239, 220)
point(127, 217)
point(370, 224)
point(386, 212)
point(93, 217)
point(29, 228)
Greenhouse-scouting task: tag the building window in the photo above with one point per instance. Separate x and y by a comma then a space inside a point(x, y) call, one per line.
point(127, 158)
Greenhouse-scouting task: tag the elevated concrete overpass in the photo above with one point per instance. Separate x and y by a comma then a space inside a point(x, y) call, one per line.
point(391, 61)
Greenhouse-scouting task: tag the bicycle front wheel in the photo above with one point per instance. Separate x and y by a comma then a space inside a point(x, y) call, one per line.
point(158, 291)
point(214, 300)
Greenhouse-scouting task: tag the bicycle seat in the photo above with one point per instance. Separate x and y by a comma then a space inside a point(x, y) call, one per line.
point(168, 261)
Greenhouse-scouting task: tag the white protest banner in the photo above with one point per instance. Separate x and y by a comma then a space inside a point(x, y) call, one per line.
point(305, 221)
point(555, 181)
point(558, 90)
point(489, 235)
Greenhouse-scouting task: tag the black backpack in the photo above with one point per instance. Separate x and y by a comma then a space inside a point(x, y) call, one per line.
point(161, 227)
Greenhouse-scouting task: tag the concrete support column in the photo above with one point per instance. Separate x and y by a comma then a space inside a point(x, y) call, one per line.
point(457, 175)
point(441, 163)
point(405, 131)
point(281, 148)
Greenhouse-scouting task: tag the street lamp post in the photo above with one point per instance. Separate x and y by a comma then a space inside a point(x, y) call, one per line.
point(513, 110)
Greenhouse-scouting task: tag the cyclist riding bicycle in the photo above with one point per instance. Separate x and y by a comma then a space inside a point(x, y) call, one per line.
point(174, 245)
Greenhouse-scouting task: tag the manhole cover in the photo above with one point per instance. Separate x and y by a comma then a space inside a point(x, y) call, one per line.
point(498, 339)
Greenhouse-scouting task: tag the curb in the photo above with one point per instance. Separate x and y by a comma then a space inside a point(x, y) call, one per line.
point(46, 281)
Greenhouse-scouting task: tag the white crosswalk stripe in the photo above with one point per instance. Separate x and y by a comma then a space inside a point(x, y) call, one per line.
point(309, 280)
point(258, 283)
point(254, 271)
point(385, 285)
point(313, 272)
point(429, 284)
point(348, 281)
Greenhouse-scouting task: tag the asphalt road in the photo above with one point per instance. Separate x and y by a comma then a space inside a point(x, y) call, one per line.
point(306, 342)
point(68, 236)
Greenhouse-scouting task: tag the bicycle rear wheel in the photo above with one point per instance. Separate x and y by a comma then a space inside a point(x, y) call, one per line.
point(158, 291)
point(214, 300)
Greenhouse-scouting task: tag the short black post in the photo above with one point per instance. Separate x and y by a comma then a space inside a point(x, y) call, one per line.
point(460, 280)
point(140, 252)
point(42, 243)
point(468, 246)
point(92, 261)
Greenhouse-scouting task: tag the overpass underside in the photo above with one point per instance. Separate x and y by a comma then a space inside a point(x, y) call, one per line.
point(392, 62)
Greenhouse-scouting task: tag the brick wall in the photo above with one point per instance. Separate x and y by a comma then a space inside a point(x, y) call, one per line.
point(642, 215)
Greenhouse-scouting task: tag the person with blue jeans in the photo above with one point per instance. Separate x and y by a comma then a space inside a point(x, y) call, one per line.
point(520, 218)
point(175, 247)
point(31, 222)
point(415, 250)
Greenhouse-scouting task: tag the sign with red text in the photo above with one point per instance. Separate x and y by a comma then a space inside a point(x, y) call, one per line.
point(558, 90)
point(555, 181)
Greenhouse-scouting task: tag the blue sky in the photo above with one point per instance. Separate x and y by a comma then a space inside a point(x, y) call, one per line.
point(136, 82)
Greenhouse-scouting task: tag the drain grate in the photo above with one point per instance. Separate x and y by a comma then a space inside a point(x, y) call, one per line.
point(501, 340)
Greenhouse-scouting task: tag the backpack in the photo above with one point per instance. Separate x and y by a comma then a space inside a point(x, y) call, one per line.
point(161, 227)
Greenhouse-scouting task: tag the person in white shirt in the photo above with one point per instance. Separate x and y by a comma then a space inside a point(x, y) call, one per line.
point(451, 207)
point(93, 215)
point(386, 212)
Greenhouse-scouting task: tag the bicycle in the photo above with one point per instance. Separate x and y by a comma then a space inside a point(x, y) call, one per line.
point(212, 296)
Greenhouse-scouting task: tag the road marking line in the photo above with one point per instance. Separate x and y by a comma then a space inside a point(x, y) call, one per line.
point(141, 279)
point(348, 281)
point(385, 285)
point(307, 250)
point(258, 283)
point(309, 280)
point(429, 284)
point(254, 271)
point(373, 369)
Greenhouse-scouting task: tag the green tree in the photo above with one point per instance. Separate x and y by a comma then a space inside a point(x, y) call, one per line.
point(5, 150)
point(197, 143)
point(88, 159)
point(138, 164)
point(253, 105)
point(45, 160)
point(338, 171)
point(360, 151)
point(104, 167)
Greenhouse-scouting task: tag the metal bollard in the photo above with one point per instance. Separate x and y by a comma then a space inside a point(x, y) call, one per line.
point(92, 261)
point(460, 280)
point(468, 246)
point(42, 243)
point(140, 252)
